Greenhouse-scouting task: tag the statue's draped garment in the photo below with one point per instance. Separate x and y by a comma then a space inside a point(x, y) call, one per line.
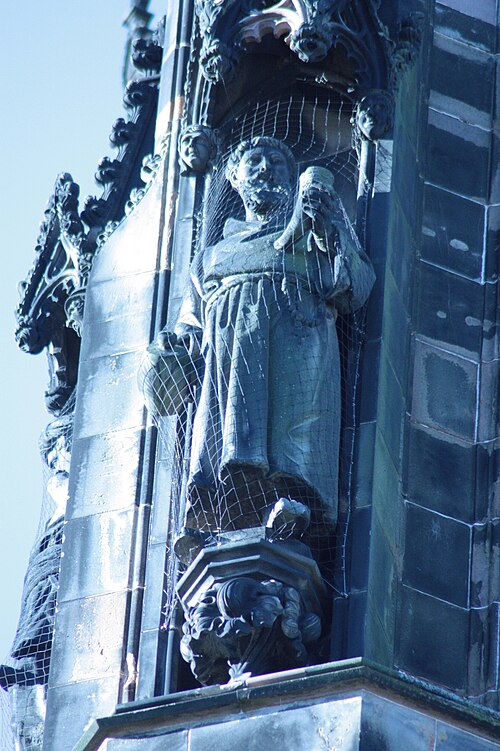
point(270, 388)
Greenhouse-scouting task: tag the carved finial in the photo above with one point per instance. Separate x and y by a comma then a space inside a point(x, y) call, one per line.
point(122, 132)
point(137, 93)
point(137, 25)
point(146, 55)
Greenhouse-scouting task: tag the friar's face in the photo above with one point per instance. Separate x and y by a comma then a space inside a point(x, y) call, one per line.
point(263, 180)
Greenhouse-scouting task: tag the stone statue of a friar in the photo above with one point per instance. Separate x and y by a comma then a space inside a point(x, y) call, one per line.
point(255, 346)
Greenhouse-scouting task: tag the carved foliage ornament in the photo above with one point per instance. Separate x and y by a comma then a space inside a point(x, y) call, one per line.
point(243, 627)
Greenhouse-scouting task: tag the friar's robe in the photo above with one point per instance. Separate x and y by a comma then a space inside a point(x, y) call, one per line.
point(270, 388)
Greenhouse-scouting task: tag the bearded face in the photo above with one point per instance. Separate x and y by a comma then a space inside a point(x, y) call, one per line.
point(263, 180)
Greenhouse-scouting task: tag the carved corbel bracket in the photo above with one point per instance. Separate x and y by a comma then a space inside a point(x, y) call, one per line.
point(251, 606)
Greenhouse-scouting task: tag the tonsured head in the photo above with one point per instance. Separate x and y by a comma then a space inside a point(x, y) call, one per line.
point(264, 172)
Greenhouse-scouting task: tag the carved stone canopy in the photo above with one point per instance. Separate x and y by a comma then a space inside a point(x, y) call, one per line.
point(310, 29)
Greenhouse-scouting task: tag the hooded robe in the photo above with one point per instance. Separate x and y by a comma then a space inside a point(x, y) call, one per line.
point(269, 395)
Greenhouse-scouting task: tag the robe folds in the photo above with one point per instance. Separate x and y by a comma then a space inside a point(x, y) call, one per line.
point(265, 322)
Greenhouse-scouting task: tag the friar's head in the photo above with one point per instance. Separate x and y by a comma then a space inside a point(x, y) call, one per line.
point(263, 170)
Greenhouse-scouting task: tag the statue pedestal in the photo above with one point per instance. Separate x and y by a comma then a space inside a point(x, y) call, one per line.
point(251, 606)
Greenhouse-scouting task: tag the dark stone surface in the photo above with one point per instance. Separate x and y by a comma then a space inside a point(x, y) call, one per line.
point(444, 391)
point(381, 591)
point(358, 547)
point(147, 663)
point(455, 70)
point(449, 738)
point(405, 186)
point(377, 231)
point(355, 629)
point(494, 193)
point(483, 669)
point(401, 249)
point(374, 311)
point(432, 542)
point(449, 310)
point(387, 726)
point(391, 409)
point(344, 706)
point(396, 329)
point(363, 464)
point(387, 502)
point(432, 639)
point(370, 366)
point(487, 497)
point(447, 137)
point(493, 240)
point(485, 582)
point(487, 429)
point(490, 322)
point(477, 28)
point(453, 232)
point(441, 473)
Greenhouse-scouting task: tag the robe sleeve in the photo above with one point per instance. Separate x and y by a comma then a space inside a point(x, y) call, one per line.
point(353, 271)
point(190, 322)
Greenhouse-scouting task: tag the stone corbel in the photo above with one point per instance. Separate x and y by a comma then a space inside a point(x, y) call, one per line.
point(251, 606)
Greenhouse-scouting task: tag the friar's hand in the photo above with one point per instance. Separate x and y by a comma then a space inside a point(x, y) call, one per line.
point(166, 340)
point(317, 209)
point(320, 203)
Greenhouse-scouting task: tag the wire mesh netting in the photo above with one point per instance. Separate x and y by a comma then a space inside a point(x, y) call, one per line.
point(24, 674)
point(254, 393)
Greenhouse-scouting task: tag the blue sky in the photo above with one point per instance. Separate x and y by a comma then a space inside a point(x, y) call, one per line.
point(61, 90)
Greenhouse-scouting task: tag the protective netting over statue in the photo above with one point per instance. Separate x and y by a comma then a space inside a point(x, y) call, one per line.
point(255, 389)
point(24, 674)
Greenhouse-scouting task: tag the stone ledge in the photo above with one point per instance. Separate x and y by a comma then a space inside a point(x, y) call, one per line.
point(291, 691)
